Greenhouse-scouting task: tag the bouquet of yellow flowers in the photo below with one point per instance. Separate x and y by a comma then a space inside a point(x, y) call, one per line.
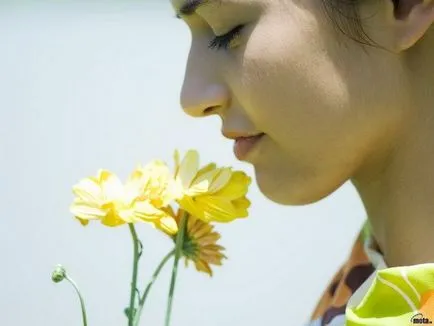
point(202, 195)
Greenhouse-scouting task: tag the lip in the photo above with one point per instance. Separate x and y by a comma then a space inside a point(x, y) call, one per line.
point(244, 145)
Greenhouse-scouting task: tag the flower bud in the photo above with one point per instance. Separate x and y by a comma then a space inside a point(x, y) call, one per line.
point(58, 274)
point(127, 312)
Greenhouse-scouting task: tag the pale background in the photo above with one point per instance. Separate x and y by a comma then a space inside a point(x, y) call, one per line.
point(86, 85)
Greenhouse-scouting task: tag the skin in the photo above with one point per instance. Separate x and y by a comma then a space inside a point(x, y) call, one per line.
point(331, 109)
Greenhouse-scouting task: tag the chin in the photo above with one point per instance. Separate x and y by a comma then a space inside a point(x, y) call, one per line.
point(293, 190)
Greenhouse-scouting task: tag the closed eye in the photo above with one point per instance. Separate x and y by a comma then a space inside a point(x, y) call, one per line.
point(224, 41)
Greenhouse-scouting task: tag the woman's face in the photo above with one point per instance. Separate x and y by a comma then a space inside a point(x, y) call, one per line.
point(328, 107)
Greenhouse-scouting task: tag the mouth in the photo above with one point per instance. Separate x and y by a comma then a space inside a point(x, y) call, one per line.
point(244, 145)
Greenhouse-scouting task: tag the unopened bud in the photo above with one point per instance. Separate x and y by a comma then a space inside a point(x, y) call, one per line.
point(58, 274)
point(127, 312)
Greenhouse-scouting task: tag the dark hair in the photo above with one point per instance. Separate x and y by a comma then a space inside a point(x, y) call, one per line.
point(346, 18)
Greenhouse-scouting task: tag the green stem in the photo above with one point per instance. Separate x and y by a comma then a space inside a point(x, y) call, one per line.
point(178, 251)
point(83, 308)
point(148, 287)
point(134, 277)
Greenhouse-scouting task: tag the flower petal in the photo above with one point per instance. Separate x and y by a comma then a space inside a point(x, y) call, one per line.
point(236, 187)
point(222, 179)
point(112, 188)
point(176, 160)
point(204, 228)
point(198, 188)
point(88, 190)
point(146, 211)
point(82, 221)
point(167, 224)
point(208, 239)
point(203, 266)
point(86, 212)
point(203, 179)
point(210, 167)
point(216, 209)
point(111, 219)
point(190, 205)
point(241, 206)
point(128, 215)
point(188, 169)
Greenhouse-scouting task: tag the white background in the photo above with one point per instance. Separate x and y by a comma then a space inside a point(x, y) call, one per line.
point(96, 84)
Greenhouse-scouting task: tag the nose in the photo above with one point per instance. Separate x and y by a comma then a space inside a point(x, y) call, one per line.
point(203, 91)
point(201, 99)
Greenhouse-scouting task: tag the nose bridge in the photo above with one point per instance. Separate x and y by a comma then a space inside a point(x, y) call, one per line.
point(203, 89)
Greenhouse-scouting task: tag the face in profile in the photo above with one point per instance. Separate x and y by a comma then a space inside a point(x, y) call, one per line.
point(327, 107)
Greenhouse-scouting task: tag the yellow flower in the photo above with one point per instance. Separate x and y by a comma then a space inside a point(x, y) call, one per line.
point(210, 193)
point(167, 224)
point(105, 198)
point(200, 244)
point(157, 183)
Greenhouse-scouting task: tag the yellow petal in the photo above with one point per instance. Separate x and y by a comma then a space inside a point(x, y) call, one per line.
point(88, 190)
point(82, 221)
point(156, 165)
point(167, 224)
point(111, 219)
point(198, 188)
point(177, 161)
point(155, 171)
point(132, 190)
point(190, 205)
point(214, 247)
point(224, 176)
point(128, 215)
point(208, 173)
point(208, 239)
point(191, 222)
point(216, 209)
point(112, 187)
point(236, 187)
point(241, 206)
point(146, 211)
point(83, 211)
point(168, 210)
point(204, 229)
point(102, 176)
point(207, 168)
point(202, 266)
point(188, 169)
point(211, 258)
point(194, 224)
point(137, 173)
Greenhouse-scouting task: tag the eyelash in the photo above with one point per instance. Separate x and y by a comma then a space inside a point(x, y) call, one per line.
point(223, 41)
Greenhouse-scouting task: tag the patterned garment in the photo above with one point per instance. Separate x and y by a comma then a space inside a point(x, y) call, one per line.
point(366, 292)
point(397, 296)
point(354, 272)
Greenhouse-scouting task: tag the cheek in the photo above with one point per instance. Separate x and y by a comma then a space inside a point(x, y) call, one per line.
point(319, 107)
point(309, 93)
point(290, 84)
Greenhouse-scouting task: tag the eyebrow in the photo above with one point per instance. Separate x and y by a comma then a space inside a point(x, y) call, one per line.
point(189, 7)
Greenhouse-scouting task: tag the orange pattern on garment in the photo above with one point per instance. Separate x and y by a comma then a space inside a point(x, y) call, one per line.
point(344, 283)
point(427, 304)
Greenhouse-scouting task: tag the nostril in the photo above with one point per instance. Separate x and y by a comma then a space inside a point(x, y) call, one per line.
point(209, 110)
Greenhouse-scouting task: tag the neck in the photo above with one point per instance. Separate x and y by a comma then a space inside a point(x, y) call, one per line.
point(397, 187)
